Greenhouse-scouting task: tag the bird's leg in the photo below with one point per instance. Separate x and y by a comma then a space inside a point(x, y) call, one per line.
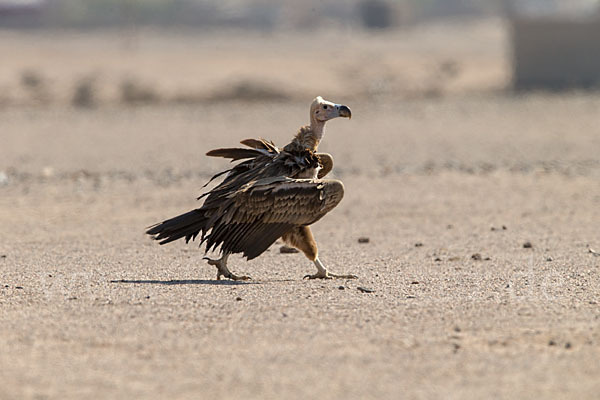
point(222, 269)
point(302, 238)
point(322, 273)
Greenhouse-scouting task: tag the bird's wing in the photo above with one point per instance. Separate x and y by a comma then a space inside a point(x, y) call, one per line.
point(262, 211)
point(258, 147)
point(326, 161)
point(285, 200)
point(256, 203)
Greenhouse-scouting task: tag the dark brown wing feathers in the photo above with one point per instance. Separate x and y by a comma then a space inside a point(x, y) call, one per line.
point(234, 153)
point(257, 202)
point(241, 153)
point(260, 144)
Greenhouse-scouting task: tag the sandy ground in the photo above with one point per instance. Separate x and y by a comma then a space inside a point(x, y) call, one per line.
point(447, 188)
point(523, 323)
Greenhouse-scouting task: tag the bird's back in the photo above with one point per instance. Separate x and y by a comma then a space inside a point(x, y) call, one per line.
point(289, 162)
point(234, 212)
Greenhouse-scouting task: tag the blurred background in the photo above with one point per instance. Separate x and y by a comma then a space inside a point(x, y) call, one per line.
point(129, 87)
point(95, 52)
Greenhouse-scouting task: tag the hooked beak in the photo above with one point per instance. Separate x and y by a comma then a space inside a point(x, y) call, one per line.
point(344, 111)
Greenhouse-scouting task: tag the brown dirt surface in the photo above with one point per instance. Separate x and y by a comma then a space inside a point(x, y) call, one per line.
point(91, 307)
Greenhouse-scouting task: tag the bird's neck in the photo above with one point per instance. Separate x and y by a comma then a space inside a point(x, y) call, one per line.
point(317, 128)
point(309, 136)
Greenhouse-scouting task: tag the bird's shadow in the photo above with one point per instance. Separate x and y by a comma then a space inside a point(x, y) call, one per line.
point(184, 282)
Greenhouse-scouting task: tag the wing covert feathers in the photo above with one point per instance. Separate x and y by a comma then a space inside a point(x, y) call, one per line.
point(258, 147)
point(260, 144)
point(258, 201)
point(257, 215)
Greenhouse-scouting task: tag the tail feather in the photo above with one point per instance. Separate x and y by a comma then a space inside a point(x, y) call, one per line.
point(234, 153)
point(187, 225)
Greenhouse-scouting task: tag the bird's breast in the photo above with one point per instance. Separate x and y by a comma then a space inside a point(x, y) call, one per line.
point(309, 173)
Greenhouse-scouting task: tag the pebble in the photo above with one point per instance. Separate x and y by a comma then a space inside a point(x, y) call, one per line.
point(527, 245)
point(549, 259)
point(365, 290)
point(363, 240)
point(341, 288)
point(238, 299)
point(288, 250)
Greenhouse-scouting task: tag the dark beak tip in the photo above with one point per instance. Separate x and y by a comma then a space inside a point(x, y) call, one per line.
point(345, 112)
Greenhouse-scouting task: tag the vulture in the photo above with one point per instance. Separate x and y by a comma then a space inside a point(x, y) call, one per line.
point(270, 193)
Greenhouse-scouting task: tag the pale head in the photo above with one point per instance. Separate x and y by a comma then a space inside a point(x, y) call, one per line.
point(322, 110)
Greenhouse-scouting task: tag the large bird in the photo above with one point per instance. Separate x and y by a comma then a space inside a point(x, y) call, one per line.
point(273, 193)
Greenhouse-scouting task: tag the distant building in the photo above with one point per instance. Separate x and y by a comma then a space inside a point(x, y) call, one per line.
point(21, 13)
point(558, 48)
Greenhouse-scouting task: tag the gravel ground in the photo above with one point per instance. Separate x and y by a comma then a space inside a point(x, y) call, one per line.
point(450, 301)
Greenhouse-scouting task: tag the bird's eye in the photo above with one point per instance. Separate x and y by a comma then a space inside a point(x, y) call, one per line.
point(325, 107)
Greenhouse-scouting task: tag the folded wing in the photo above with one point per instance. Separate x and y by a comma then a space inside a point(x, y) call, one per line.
point(258, 201)
point(262, 212)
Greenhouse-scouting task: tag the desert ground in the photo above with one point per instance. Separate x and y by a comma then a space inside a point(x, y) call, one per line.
point(480, 206)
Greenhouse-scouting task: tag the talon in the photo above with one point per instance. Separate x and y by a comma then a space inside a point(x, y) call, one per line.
point(211, 261)
point(344, 276)
point(328, 275)
point(222, 269)
point(240, 278)
point(317, 276)
point(322, 273)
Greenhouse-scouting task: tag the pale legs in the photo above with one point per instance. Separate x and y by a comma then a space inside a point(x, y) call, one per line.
point(322, 273)
point(302, 239)
point(222, 269)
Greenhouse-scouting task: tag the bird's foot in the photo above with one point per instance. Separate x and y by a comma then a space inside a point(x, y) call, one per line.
point(329, 275)
point(322, 273)
point(222, 269)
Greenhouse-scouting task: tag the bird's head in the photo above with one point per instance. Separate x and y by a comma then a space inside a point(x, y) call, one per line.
point(322, 110)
